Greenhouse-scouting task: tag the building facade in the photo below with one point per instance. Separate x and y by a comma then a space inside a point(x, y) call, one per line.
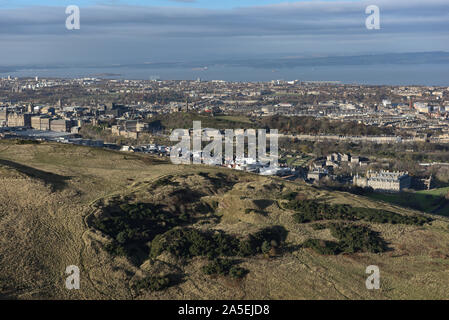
point(384, 181)
point(60, 125)
point(19, 120)
point(40, 123)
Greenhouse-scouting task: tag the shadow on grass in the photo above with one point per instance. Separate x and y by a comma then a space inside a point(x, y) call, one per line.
point(56, 181)
point(176, 279)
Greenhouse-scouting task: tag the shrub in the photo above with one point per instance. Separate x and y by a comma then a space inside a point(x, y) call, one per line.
point(312, 210)
point(218, 267)
point(352, 238)
point(238, 272)
point(246, 249)
point(355, 238)
point(133, 225)
point(116, 249)
point(164, 181)
point(383, 216)
point(266, 247)
point(153, 283)
point(25, 141)
point(319, 226)
point(253, 244)
point(289, 195)
point(188, 243)
point(322, 246)
point(224, 267)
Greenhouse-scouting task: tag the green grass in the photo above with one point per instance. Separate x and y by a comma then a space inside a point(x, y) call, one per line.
point(435, 192)
point(426, 201)
point(297, 160)
point(185, 120)
point(241, 119)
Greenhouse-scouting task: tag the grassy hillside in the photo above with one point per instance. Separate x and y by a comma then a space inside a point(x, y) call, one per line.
point(429, 201)
point(436, 192)
point(141, 228)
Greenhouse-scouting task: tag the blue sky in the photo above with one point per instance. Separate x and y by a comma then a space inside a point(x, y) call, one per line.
point(212, 4)
point(155, 31)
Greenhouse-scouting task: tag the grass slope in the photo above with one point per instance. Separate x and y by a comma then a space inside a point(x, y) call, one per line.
point(50, 194)
point(429, 201)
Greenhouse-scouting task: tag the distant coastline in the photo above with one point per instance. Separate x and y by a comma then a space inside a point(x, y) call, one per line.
point(425, 68)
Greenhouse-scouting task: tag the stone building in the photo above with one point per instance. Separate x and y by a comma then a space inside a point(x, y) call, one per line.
point(40, 123)
point(317, 174)
point(337, 157)
point(130, 129)
point(135, 126)
point(19, 120)
point(120, 131)
point(60, 125)
point(3, 117)
point(384, 181)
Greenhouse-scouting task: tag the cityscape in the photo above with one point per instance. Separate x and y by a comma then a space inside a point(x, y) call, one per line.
point(384, 116)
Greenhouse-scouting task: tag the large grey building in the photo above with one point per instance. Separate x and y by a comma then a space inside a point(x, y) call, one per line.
point(384, 181)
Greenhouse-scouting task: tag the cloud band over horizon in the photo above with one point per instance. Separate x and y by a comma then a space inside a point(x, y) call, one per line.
point(137, 34)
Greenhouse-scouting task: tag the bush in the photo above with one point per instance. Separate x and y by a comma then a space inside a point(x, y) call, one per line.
point(224, 267)
point(290, 195)
point(322, 246)
point(383, 216)
point(25, 141)
point(165, 181)
point(116, 249)
point(188, 243)
point(218, 267)
point(238, 272)
point(153, 283)
point(253, 244)
point(352, 238)
point(133, 225)
point(312, 210)
point(358, 238)
point(319, 226)
point(246, 249)
point(266, 247)
point(139, 230)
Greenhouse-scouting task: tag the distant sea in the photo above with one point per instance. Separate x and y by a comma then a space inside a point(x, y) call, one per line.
point(381, 74)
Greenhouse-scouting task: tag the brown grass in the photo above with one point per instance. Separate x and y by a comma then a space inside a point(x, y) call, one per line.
point(49, 191)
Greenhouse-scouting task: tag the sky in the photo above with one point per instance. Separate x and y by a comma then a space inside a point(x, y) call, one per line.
point(211, 4)
point(113, 32)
